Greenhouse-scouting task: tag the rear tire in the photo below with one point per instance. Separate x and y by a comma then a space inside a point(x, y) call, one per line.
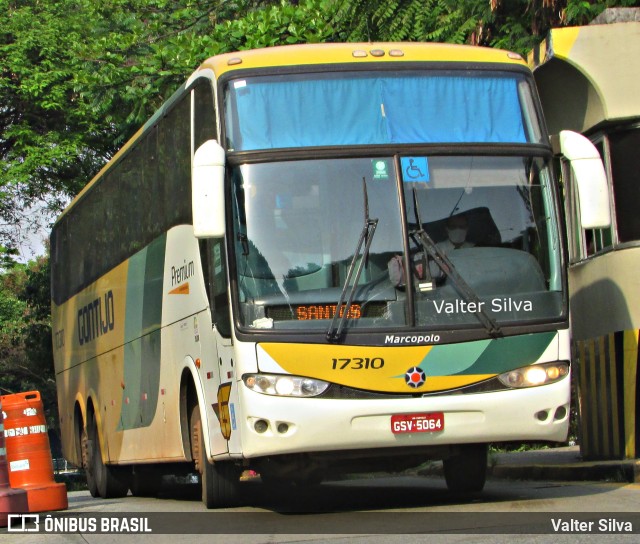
point(102, 480)
point(219, 480)
point(87, 462)
point(466, 471)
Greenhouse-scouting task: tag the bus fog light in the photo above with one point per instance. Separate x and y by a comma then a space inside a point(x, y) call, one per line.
point(285, 385)
point(542, 415)
point(261, 426)
point(283, 428)
point(534, 375)
point(561, 413)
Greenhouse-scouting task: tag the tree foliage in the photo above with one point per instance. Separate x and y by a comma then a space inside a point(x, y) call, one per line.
point(510, 24)
point(520, 24)
point(412, 20)
point(25, 333)
point(78, 77)
point(47, 141)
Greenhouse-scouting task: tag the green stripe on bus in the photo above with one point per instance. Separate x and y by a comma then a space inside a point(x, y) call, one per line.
point(453, 358)
point(142, 336)
point(505, 354)
point(486, 356)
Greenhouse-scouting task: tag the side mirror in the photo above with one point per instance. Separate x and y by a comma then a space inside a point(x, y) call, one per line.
point(590, 178)
point(207, 190)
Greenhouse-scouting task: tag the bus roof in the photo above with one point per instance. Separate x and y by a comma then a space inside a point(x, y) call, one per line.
point(342, 53)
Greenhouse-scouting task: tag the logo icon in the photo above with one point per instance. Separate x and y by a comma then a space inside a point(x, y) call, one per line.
point(380, 169)
point(23, 523)
point(415, 377)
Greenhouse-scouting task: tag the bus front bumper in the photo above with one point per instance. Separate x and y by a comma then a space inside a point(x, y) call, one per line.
point(271, 425)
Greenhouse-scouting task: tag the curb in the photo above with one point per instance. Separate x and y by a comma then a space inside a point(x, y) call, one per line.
point(553, 464)
point(613, 471)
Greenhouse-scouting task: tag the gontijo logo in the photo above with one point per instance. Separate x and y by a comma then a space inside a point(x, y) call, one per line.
point(96, 318)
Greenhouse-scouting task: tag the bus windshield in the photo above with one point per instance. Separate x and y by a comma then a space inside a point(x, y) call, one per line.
point(381, 107)
point(297, 224)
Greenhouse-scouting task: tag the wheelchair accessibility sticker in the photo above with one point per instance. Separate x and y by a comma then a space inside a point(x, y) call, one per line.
point(414, 169)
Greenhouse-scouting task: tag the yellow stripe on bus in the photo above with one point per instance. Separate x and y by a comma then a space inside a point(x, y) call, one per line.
point(630, 372)
point(365, 367)
point(316, 54)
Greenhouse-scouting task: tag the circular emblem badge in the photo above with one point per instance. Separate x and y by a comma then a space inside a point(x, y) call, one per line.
point(415, 377)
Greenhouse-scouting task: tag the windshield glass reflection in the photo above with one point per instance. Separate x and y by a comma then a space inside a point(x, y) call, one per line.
point(297, 226)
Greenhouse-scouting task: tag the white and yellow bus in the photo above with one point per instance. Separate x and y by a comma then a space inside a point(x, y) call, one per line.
point(312, 260)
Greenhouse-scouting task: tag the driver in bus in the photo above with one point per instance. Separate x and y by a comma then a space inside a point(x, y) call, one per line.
point(457, 228)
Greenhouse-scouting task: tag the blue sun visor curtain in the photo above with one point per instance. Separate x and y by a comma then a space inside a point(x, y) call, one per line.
point(286, 112)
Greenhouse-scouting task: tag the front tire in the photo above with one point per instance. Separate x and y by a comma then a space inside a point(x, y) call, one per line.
point(219, 480)
point(466, 471)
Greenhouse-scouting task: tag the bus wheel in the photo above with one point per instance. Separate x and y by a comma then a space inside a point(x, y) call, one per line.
point(466, 471)
point(220, 480)
point(104, 481)
point(87, 462)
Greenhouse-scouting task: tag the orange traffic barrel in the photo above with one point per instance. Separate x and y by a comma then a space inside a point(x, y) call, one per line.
point(12, 501)
point(29, 453)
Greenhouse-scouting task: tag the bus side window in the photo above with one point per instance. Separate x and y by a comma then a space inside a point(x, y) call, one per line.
point(211, 251)
point(204, 116)
point(600, 239)
point(588, 242)
point(215, 274)
point(219, 298)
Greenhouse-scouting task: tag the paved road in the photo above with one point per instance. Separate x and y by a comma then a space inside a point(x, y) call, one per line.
point(403, 509)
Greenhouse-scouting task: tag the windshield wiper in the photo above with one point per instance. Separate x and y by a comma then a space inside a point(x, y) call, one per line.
point(366, 236)
point(445, 264)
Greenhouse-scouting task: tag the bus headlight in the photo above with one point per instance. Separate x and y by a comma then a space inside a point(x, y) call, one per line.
point(284, 385)
point(534, 375)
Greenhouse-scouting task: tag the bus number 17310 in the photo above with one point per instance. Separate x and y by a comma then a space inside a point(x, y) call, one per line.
point(358, 363)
